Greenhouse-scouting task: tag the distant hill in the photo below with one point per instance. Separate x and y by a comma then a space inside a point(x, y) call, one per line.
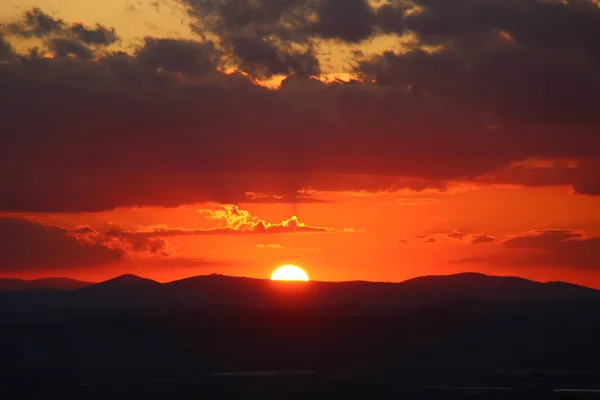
point(485, 287)
point(8, 284)
point(219, 290)
point(126, 280)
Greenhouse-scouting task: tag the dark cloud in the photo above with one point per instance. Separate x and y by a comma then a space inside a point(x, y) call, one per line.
point(6, 50)
point(178, 55)
point(474, 238)
point(62, 38)
point(262, 58)
point(140, 136)
point(524, 86)
point(36, 23)
point(582, 175)
point(390, 17)
point(67, 47)
point(543, 239)
point(511, 41)
point(277, 37)
point(99, 35)
point(347, 20)
point(130, 246)
point(162, 126)
point(264, 38)
point(482, 238)
point(27, 245)
point(532, 23)
point(149, 245)
point(565, 248)
point(457, 235)
point(293, 21)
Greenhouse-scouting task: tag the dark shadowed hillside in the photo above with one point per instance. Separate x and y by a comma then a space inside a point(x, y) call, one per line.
point(425, 338)
point(8, 284)
point(219, 290)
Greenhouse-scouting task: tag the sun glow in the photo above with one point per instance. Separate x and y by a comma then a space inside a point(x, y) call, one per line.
point(289, 273)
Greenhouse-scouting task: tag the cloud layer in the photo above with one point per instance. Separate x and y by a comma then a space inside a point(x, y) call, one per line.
point(547, 248)
point(86, 128)
point(556, 247)
point(28, 245)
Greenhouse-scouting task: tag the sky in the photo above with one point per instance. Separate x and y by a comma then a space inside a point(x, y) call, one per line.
point(360, 140)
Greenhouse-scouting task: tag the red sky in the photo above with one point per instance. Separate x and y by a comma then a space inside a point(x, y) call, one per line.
point(153, 140)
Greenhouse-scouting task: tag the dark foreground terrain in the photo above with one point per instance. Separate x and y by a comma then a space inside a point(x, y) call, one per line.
point(174, 352)
point(453, 348)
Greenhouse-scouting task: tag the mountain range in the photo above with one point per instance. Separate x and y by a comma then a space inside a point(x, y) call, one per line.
point(220, 290)
point(12, 284)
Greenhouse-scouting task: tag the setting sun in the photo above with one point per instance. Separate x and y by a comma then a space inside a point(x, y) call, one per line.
point(289, 273)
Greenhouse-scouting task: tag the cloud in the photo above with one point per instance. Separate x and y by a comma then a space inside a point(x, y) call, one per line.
point(474, 238)
point(263, 38)
point(164, 125)
point(509, 40)
point(346, 20)
point(28, 245)
point(6, 50)
point(67, 47)
point(229, 219)
point(549, 248)
point(130, 247)
point(582, 175)
point(482, 238)
point(178, 55)
point(280, 247)
point(544, 239)
point(566, 248)
point(37, 23)
point(531, 23)
point(263, 59)
point(457, 235)
point(100, 35)
point(270, 246)
point(389, 18)
point(546, 248)
point(61, 38)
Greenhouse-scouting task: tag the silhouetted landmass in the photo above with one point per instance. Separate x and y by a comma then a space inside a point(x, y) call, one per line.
point(459, 336)
point(213, 290)
point(9, 284)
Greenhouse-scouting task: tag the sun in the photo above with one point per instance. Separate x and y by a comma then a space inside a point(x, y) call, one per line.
point(289, 273)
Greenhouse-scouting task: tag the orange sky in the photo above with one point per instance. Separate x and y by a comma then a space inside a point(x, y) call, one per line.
point(424, 159)
point(372, 247)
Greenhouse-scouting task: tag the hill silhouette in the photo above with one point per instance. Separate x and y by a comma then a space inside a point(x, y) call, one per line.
point(220, 290)
point(126, 280)
point(124, 290)
point(129, 336)
point(11, 284)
